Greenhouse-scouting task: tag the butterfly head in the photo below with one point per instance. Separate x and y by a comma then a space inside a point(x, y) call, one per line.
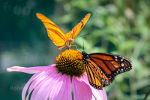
point(84, 57)
point(84, 53)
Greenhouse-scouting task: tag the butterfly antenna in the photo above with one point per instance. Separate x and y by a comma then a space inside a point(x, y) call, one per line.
point(83, 45)
point(87, 33)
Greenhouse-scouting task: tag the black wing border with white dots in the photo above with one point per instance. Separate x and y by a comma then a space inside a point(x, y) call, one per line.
point(116, 58)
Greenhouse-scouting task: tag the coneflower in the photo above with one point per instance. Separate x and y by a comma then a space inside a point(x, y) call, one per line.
point(65, 80)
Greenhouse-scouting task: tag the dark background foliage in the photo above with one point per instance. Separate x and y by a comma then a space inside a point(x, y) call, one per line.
point(116, 26)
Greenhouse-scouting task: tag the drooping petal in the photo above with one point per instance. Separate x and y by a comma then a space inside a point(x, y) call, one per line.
point(39, 92)
point(35, 79)
point(63, 93)
point(99, 94)
point(48, 85)
point(96, 94)
point(32, 84)
point(81, 90)
point(29, 70)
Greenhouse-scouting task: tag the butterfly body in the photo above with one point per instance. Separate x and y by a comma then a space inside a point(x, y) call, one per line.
point(69, 42)
point(102, 68)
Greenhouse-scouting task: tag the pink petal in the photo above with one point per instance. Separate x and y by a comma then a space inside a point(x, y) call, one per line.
point(34, 80)
point(33, 84)
point(48, 85)
point(96, 94)
point(29, 70)
point(27, 85)
point(81, 90)
point(99, 94)
point(62, 92)
point(39, 92)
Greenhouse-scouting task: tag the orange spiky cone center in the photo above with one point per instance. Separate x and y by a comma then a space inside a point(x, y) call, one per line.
point(70, 62)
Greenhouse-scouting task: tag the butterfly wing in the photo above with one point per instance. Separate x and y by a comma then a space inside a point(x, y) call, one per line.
point(96, 77)
point(111, 65)
point(54, 32)
point(75, 31)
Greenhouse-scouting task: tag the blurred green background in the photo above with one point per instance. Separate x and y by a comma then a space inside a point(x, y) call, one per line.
point(116, 26)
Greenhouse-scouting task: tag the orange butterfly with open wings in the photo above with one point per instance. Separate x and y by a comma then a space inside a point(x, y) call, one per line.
point(57, 35)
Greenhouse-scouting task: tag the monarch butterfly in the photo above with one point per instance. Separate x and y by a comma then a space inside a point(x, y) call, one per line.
point(56, 34)
point(101, 68)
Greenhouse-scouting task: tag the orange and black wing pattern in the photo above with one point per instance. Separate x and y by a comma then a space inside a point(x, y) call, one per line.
point(104, 67)
point(96, 77)
point(110, 64)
